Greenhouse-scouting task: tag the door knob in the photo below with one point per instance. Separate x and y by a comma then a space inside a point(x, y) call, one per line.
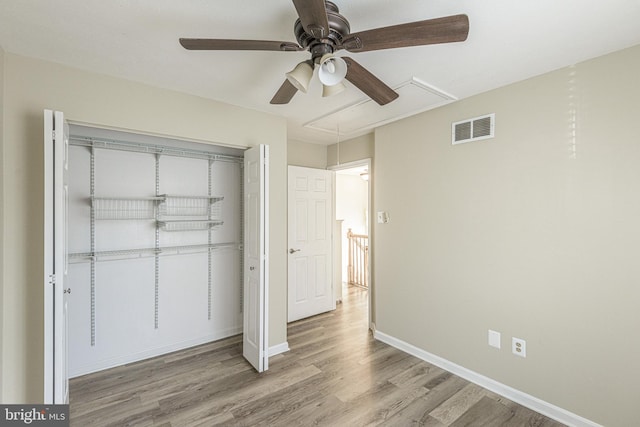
point(67, 291)
point(291, 251)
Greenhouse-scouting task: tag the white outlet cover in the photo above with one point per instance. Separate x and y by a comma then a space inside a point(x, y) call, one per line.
point(519, 347)
point(494, 339)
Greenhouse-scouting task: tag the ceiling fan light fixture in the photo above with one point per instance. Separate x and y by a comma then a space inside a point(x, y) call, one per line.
point(301, 75)
point(332, 90)
point(333, 69)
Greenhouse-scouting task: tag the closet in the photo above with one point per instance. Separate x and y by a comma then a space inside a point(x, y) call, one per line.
point(155, 232)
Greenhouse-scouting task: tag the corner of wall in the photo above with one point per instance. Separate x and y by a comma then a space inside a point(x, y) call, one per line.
point(358, 148)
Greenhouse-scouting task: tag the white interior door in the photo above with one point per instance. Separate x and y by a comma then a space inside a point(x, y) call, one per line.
point(56, 143)
point(310, 286)
point(256, 243)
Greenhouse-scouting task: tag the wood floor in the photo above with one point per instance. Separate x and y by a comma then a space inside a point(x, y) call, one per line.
point(335, 374)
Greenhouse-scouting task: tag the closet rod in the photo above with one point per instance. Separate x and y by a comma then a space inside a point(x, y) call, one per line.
point(85, 141)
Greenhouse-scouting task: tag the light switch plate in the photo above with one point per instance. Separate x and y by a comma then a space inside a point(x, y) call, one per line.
point(383, 217)
point(494, 339)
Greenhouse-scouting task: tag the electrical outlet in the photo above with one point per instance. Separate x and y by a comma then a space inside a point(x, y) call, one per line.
point(519, 347)
point(494, 339)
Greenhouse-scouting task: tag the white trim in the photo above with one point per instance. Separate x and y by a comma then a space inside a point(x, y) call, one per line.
point(48, 261)
point(278, 349)
point(350, 165)
point(154, 352)
point(524, 399)
point(266, 251)
point(335, 284)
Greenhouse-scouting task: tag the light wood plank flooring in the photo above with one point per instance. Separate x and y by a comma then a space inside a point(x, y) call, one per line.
point(335, 374)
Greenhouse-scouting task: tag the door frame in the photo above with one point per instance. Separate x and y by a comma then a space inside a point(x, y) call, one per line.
point(55, 145)
point(350, 165)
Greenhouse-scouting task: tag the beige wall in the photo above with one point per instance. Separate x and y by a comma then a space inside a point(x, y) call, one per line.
point(306, 155)
point(358, 148)
point(33, 85)
point(321, 156)
point(534, 234)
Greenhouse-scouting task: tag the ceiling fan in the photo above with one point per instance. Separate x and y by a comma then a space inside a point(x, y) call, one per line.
point(322, 30)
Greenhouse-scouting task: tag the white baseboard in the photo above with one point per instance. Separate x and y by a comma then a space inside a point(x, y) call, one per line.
point(524, 399)
point(278, 349)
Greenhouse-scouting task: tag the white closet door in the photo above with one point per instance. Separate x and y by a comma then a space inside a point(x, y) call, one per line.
point(56, 143)
point(255, 345)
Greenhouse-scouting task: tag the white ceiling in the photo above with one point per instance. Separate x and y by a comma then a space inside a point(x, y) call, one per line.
point(138, 40)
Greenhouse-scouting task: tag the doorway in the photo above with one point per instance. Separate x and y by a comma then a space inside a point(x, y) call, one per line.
point(353, 229)
point(154, 253)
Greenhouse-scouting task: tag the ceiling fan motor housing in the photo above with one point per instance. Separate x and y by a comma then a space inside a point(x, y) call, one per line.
point(338, 29)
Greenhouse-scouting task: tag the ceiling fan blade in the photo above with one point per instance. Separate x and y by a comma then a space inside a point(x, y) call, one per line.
point(432, 31)
point(284, 94)
point(375, 88)
point(313, 15)
point(230, 44)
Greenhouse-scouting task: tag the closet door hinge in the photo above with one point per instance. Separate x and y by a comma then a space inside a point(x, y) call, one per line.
point(53, 134)
point(52, 279)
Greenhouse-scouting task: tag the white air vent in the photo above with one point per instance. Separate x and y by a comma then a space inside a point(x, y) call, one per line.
point(473, 129)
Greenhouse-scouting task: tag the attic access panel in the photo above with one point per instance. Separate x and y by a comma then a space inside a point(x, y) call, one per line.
point(415, 97)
